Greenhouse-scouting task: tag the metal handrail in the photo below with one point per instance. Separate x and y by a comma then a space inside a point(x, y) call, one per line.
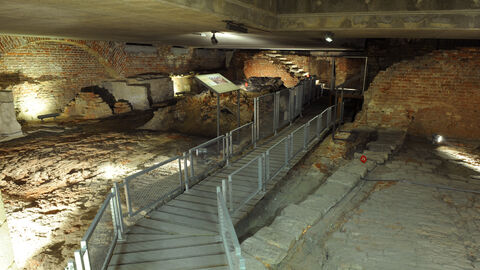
point(128, 179)
point(86, 256)
point(260, 184)
point(236, 262)
point(295, 105)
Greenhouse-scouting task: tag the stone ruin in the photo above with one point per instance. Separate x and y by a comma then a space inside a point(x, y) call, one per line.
point(9, 126)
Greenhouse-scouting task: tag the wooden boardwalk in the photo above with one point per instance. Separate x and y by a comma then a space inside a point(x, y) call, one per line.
point(183, 233)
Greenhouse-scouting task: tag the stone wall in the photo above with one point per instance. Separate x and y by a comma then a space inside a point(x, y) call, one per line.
point(435, 93)
point(256, 64)
point(46, 73)
point(6, 253)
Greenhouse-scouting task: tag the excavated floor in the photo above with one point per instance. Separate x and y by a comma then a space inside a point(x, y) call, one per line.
point(54, 180)
point(422, 211)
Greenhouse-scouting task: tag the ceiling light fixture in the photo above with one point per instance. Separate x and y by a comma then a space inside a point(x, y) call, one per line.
point(329, 37)
point(214, 39)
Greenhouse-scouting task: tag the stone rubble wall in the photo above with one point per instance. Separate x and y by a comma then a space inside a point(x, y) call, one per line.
point(87, 105)
point(197, 114)
point(269, 246)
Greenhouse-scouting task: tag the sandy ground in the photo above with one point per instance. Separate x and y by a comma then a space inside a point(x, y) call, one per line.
point(53, 182)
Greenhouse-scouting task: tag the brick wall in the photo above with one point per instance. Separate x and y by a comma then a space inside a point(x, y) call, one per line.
point(45, 73)
point(435, 93)
point(50, 72)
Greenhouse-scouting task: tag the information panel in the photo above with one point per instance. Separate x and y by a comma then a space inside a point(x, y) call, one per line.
point(217, 83)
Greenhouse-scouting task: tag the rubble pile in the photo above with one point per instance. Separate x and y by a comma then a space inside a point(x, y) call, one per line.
point(87, 105)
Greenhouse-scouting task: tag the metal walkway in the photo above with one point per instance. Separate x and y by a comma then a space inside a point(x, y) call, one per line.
point(184, 232)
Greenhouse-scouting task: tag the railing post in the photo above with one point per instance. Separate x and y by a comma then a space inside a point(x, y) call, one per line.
point(185, 164)
point(192, 172)
point(319, 124)
point(291, 99)
point(226, 148)
point(78, 260)
point(329, 116)
point(128, 198)
point(276, 115)
point(85, 255)
point(255, 119)
point(261, 182)
point(267, 165)
point(118, 212)
point(224, 189)
point(286, 150)
point(305, 135)
point(230, 193)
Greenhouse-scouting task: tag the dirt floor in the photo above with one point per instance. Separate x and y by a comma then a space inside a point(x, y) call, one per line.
point(54, 179)
point(421, 210)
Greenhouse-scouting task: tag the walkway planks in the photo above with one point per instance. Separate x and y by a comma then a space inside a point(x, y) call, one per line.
point(183, 233)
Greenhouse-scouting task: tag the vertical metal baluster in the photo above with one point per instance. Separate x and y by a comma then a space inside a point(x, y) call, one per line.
point(261, 183)
point(267, 165)
point(128, 197)
point(230, 191)
point(118, 203)
point(78, 260)
point(305, 136)
point(224, 189)
point(192, 171)
point(185, 162)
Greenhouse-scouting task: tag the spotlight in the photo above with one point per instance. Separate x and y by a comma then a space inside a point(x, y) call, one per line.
point(329, 37)
point(437, 139)
point(214, 39)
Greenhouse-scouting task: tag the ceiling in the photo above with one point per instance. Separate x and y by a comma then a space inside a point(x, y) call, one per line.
point(182, 22)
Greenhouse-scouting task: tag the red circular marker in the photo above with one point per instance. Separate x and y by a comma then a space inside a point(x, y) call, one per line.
point(246, 84)
point(363, 159)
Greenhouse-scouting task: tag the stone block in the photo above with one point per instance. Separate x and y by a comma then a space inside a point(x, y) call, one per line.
point(9, 126)
point(6, 251)
point(262, 251)
point(381, 147)
point(305, 215)
point(252, 263)
point(318, 203)
point(344, 178)
point(355, 167)
point(136, 95)
point(6, 97)
point(332, 189)
point(377, 157)
point(276, 238)
point(161, 89)
point(289, 225)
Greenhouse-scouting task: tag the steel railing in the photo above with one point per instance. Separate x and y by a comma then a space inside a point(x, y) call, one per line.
point(165, 180)
point(98, 243)
point(241, 139)
point(251, 179)
point(251, 173)
point(231, 245)
point(205, 158)
point(147, 188)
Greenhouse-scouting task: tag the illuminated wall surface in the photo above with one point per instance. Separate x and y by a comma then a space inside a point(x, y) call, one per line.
point(45, 75)
point(6, 252)
point(48, 76)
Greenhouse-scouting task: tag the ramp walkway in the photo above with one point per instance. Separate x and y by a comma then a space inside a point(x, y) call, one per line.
point(191, 225)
